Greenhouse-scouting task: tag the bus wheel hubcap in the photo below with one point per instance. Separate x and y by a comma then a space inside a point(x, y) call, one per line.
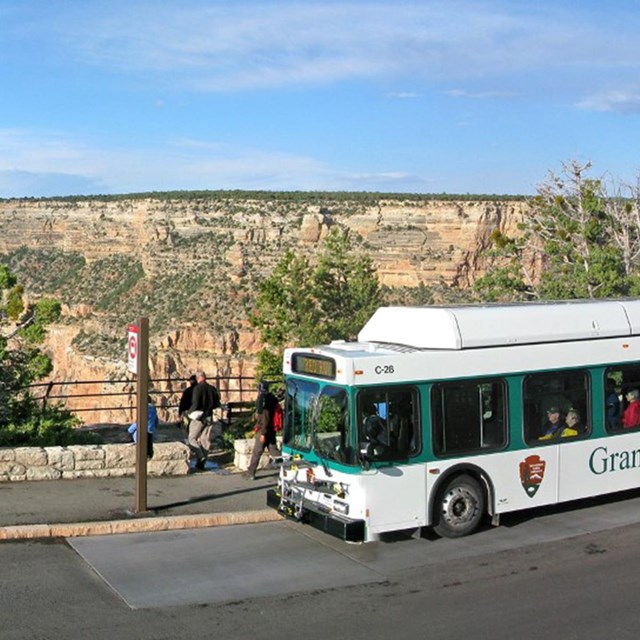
point(459, 506)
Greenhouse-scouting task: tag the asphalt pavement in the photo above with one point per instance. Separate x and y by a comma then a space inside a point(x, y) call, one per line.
point(217, 496)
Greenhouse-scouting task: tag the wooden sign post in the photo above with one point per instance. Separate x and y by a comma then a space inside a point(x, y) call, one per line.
point(138, 347)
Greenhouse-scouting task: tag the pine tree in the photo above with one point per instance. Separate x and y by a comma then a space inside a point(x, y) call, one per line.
point(23, 420)
point(303, 305)
point(567, 248)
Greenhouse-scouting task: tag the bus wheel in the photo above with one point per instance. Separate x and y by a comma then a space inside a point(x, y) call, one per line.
point(459, 507)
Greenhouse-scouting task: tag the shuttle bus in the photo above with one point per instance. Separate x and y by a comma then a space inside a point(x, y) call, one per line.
point(444, 416)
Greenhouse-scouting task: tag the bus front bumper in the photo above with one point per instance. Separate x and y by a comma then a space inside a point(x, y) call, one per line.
point(331, 523)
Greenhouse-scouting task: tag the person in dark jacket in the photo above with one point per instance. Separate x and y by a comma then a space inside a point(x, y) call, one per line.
point(265, 437)
point(185, 401)
point(554, 424)
point(204, 400)
point(612, 403)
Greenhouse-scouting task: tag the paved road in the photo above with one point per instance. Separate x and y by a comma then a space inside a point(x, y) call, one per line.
point(570, 573)
point(584, 587)
point(219, 564)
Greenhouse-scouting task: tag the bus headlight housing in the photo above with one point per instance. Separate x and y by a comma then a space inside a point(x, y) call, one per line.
point(341, 507)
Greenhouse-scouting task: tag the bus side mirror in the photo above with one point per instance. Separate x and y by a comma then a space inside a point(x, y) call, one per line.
point(365, 454)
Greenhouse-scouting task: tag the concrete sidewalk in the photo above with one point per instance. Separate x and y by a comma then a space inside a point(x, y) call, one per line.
point(67, 508)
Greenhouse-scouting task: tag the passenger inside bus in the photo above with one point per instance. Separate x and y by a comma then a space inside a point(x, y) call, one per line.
point(400, 427)
point(631, 416)
point(612, 401)
point(574, 425)
point(570, 427)
point(553, 425)
point(388, 423)
point(375, 431)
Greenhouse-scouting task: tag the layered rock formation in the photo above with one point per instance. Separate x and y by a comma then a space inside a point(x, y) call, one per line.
point(192, 266)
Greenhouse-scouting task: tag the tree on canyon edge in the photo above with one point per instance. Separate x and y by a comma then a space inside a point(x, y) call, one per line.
point(303, 304)
point(576, 241)
point(23, 420)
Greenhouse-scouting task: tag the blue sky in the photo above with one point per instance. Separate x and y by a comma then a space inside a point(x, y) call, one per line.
point(121, 96)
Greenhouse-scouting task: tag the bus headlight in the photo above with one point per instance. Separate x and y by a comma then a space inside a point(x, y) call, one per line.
point(341, 507)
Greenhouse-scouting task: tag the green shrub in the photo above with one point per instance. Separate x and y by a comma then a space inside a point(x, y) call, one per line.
point(43, 427)
point(15, 304)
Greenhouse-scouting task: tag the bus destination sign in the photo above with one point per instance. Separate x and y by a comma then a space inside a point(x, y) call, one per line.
point(312, 365)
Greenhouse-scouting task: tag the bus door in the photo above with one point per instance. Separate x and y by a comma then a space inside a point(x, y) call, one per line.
point(389, 437)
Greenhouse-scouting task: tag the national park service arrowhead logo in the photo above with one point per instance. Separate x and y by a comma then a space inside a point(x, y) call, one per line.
point(532, 474)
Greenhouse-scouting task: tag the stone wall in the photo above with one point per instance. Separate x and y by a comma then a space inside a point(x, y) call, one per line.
point(242, 454)
point(93, 461)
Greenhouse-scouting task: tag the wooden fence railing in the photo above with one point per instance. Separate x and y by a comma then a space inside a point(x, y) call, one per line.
point(98, 401)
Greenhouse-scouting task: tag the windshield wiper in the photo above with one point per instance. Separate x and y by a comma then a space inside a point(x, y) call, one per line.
point(325, 466)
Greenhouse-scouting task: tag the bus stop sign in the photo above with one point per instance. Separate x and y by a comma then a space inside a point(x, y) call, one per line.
point(132, 348)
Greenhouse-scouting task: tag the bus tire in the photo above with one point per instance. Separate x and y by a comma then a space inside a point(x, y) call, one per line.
point(459, 507)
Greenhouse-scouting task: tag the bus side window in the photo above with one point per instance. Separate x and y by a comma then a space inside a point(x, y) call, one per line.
point(388, 422)
point(547, 400)
point(401, 424)
point(468, 416)
point(618, 382)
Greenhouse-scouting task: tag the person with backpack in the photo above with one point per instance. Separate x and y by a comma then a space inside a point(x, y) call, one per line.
point(269, 416)
point(204, 400)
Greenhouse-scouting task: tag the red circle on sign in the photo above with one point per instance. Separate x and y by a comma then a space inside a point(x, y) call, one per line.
point(133, 346)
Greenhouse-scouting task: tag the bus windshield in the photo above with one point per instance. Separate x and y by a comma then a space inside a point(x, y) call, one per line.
point(318, 418)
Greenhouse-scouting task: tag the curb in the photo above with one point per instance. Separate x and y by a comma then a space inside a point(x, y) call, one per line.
point(138, 525)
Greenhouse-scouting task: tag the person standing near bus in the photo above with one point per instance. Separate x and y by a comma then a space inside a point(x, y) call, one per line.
point(631, 415)
point(186, 399)
point(184, 406)
point(265, 437)
point(204, 400)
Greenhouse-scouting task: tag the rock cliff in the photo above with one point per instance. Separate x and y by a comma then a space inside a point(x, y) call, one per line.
point(191, 264)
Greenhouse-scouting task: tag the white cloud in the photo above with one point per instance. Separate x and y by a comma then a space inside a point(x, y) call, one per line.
point(19, 148)
point(255, 44)
point(479, 95)
point(45, 163)
point(404, 95)
point(621, 101)
point(20, 184)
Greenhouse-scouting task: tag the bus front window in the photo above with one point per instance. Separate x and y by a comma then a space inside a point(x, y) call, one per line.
point(319, 418)
point(300, 402)
point(332, 433)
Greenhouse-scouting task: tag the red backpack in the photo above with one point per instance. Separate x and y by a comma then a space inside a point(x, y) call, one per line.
point(278, 417)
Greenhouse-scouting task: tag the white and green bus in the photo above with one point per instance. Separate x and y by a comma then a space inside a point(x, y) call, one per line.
point(444, 416)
